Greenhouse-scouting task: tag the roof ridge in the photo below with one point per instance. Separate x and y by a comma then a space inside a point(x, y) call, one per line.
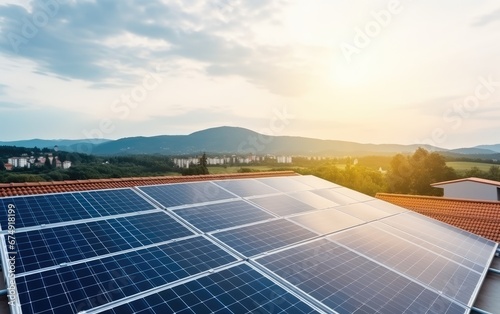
point(441, 198)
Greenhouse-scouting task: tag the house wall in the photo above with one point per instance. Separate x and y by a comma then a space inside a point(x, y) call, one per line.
point(470, 190)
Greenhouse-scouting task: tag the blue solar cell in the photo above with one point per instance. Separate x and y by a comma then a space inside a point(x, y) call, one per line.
point(263, 237)
point(245, 188)
point(239, 289)
point(442, 274)
point(349, 283)
point(335, 196)
point(223, 215)
point(185, 194)
point(282, 205)
point(83, 286)
point(54, 208)
point(48, 247)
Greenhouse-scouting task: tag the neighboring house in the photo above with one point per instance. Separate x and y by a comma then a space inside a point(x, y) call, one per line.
point(8, 166)
point(471, 188)
point(66, 164)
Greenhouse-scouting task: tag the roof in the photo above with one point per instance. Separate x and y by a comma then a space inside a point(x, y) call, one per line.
point(31, 188)
point(471, 179)
point(479, 217)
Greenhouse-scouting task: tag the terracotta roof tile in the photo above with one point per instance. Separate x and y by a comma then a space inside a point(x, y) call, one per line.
point(479, 217)
point(31, 188)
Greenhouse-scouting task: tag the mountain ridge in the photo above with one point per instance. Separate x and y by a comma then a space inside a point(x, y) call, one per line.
point(237, 140)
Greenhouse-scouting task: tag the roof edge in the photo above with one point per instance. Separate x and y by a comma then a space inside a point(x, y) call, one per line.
point(471, 179)
point(440, 198)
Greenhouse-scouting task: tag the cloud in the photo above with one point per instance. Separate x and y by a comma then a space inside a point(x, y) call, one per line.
point(487, 18)
point(109, 42)
point(3, 88)
point(10, 105)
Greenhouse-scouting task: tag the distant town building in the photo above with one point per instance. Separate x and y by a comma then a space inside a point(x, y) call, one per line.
point(8, 166)
point(66, 164)
point(19, 162)
point(284, 159)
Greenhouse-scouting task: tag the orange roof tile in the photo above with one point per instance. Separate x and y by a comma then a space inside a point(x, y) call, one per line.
point(31, 188)
point(479, 217)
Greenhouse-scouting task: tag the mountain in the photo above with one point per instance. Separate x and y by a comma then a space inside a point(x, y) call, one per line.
point(495, 147)
point(66, 145)
point(235, 140)
point(473, 151)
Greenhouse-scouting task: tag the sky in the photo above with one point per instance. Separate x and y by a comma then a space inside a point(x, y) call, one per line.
point(388, 71)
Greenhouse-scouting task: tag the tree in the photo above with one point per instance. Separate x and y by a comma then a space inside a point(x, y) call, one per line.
point(47, 164)
point(414, 174)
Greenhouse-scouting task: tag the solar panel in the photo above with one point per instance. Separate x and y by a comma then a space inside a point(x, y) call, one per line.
point(263, 237)
point(363, 211)
point(239, 289)
point(55, 208)
point(186, 193)
point(46, 209)
point(360, 197)
point(349, 283)
point(327, 221)
point(442, 274)
point(245, 188)
point(386, 207)
point(49, 247)
point(79, 287)
point(314, 200)
point(314, 182)
point(335, 196)
point(222, 215)
point(430, 246)
point(285, 184)
point(461, 242)
point(282, 205)
point(114, 202)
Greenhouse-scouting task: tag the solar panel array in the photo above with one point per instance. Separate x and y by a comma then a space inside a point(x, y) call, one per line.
point(273, 245)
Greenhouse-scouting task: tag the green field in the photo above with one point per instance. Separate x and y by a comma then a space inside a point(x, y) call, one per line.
point(466, 165)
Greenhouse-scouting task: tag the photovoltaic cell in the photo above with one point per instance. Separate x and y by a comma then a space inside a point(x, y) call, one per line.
point(282, 205)
point(461, 242)
point(314, 200)
point(263, 237)
point(334, 196)
point(454, 280)
point(239, 289)
point(55, 208)
point(223, 215)
point(49, 247)
point(285, 184)
point(349, 283)
point(245, 188)
point(186, 193)
point(83, 286)
point(327, 221)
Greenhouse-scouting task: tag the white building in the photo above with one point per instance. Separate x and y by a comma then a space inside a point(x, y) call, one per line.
point(19, 162)
point(284, 159)
point(66, 164)
point(471, 188)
